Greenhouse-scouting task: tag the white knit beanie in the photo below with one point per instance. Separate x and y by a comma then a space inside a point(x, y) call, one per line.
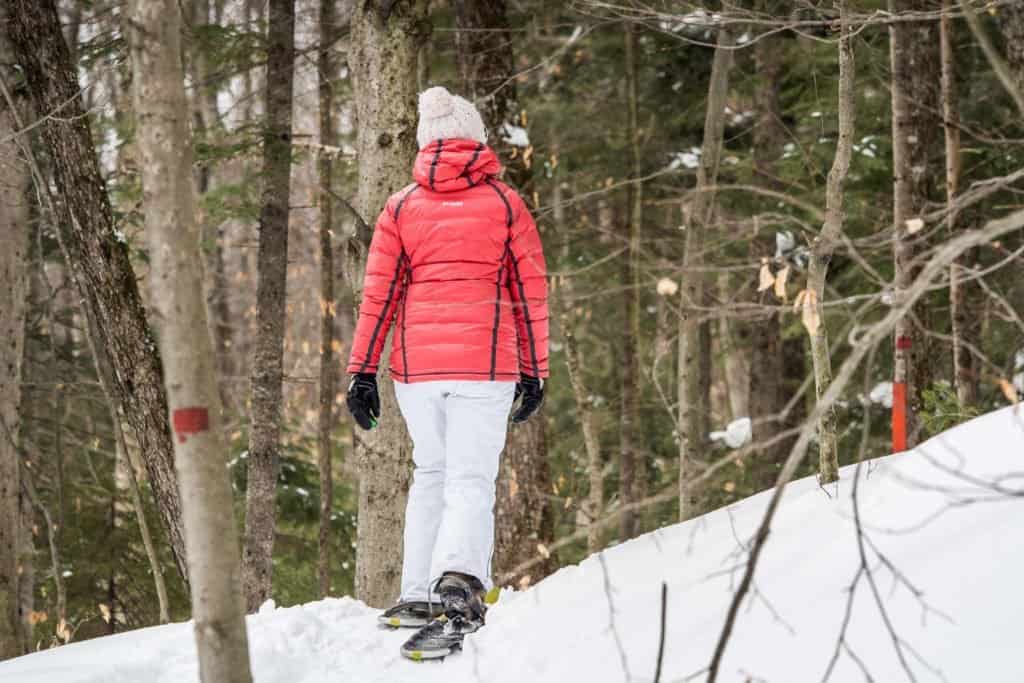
point(444, 115)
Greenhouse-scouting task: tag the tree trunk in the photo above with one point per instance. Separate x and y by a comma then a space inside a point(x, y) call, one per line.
point(328, 367)
point(123, 458)
point(525, 524)
point(172, 232)
point(563, 289)
point(486, 64)
point(1011, 21)
point(692, 395)
point(914, 77)
point(385, 41)
point(735, 347)
point(964, 378)
point(632, 473)
point(821, 253)
point(265, 422)
point(95, 251)
point(14, 232)
point(767, 397)
point(207, 127)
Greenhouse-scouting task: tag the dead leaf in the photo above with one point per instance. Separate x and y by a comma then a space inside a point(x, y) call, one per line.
point(808, 299)
point(543, 550)
point(914, 225)
point(765, 277)
point(729, 487)
point(37, 617)
point(1009, 391)
point(524, 582)
point(667, 286)
point(799, 300)
point(780, 283)
point(63, 632)
point(105, 612)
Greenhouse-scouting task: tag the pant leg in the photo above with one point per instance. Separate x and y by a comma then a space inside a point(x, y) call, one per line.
point(476, 423)
point(423, 407)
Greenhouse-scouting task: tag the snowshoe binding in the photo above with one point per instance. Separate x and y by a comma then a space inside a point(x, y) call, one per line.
point(462, 599)
point(411, 614)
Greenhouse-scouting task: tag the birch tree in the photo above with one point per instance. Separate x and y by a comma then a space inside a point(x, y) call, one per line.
point(268, 357)
point(175, 280)
point(690, 425)
point(385, 41)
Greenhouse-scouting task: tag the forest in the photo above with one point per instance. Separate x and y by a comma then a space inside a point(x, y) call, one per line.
point(782, 237)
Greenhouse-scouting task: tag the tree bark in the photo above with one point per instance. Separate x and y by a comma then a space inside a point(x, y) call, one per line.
point(964, 378)
point(486, 64)
point(268, 358)
point(632, 473)
point(692, 395)
point(172, 232)
point(767, 397)
point(123, 459)
point(914, 76)
point(823, 247)
point(1011, 21)
point(328, 367)
point(207, 127)
point(14, 232)
point(385, 41)
point(95, 251)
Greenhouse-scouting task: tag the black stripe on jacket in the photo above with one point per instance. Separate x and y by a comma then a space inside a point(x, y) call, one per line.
point(519, 282)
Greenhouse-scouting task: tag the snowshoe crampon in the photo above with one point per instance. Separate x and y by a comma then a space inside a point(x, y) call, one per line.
point(411, 614)
point(440, 638)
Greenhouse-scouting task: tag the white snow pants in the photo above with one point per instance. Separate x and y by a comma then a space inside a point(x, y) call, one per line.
point(458, 432)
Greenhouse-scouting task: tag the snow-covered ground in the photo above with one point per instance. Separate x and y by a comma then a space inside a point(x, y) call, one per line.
point(944, 516)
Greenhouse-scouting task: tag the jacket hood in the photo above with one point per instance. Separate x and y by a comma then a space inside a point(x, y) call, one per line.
point(447, 165)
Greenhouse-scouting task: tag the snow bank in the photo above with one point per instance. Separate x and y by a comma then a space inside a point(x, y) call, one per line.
point(934, 513)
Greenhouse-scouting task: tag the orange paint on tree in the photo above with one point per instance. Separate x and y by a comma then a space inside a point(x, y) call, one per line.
point(899, 417)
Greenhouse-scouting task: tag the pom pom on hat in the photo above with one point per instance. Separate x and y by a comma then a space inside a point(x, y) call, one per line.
point(435, 102)
point(444, 115)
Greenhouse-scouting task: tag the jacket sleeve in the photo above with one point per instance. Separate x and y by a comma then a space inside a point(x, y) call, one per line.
point(382, 290)
point(528, 287)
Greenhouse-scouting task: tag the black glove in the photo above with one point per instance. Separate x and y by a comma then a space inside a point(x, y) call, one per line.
point(363, 400)
point(531, 389)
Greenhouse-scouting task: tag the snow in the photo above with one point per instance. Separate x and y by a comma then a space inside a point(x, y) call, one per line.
point(881, 393)
point(690, 159)
point(514, 135)
point(934, 513)
point(737, 433)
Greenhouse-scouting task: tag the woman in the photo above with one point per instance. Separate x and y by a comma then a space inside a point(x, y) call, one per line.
point(456, 262)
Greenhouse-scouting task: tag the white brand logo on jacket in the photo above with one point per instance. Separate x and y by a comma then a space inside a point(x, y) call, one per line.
point(450, 203)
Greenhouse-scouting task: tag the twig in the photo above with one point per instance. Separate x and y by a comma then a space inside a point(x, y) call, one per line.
point(661, 637)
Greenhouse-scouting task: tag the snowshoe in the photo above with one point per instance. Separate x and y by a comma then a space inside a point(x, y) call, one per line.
point(464, 610)
point(411, 614)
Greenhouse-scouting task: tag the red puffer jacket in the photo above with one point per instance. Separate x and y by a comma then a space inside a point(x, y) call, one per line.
point(458, 258)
